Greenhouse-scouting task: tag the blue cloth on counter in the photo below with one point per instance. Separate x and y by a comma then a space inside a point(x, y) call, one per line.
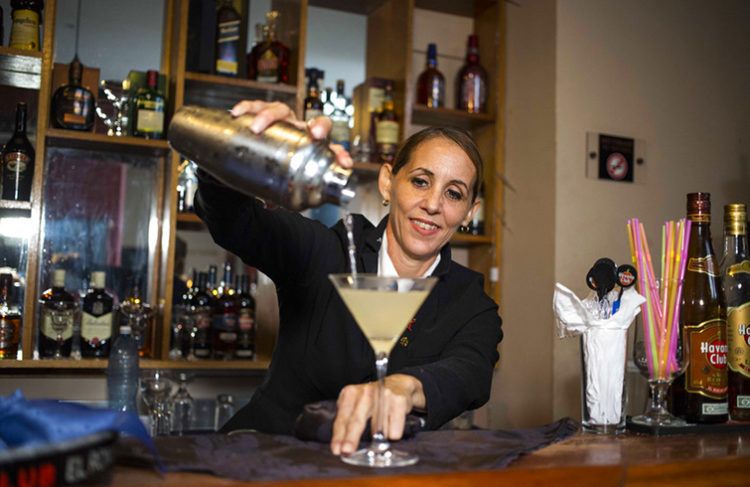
point(25, 423)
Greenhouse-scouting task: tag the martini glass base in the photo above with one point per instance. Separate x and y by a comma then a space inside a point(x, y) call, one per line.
point(373, 457)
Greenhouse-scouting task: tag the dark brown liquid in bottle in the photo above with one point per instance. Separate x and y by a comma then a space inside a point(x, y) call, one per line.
point(700, 394)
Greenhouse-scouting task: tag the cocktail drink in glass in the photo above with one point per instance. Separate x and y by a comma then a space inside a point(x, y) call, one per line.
point(382, 307)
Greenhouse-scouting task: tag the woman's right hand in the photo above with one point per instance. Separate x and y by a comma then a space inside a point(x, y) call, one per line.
point(266, 113)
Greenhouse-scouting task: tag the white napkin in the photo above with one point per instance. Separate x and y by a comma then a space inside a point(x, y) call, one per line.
point(604, 346)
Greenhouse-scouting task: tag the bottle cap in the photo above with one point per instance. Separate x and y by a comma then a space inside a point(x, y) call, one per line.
point(58, 278)
point(735, 219)
point(432, 50)
point(98, 279)
point(699, 207)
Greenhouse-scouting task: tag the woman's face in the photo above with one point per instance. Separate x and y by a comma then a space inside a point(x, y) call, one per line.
point(430, 197)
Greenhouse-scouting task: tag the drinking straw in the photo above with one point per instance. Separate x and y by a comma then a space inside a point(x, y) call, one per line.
point(639, 262)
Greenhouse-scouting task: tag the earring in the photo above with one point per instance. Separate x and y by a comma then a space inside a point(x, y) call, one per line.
point(386, 202)
point(463, 228)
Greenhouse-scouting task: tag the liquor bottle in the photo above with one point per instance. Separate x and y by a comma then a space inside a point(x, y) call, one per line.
point(228, 50)
point(181, 326)
point(340, 131)
point(149, 109)
point(387, 128)
point(97, 318)
point(313, 105)
point(187, 183)
point(224, 320)
point(211, 286)
point(72, 104)
point(735, 274)
point(10, 320)
point(245, 320)
point(201, 304)
point(58, 318)
point(700, 394)
point(17, 159)
point(251, 60)
point(135, 313)
point(26, 17)
point(431, 82)
point(476, 226)
point(268, 61)
point(471, 81)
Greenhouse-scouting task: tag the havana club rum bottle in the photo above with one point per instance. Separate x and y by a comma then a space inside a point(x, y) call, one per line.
point(735, 274)
point(700, 395)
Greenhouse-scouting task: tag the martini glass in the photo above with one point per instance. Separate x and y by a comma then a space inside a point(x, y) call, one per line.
point(382, 307)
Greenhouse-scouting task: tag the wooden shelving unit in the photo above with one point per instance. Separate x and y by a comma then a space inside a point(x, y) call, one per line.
point(390, 25)
point(101, 364)
point(424, 115)
point(101, 142)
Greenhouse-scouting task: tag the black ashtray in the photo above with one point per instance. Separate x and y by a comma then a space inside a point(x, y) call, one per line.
point(87, 459)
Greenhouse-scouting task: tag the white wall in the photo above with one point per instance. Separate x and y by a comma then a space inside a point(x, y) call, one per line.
point(673, 73)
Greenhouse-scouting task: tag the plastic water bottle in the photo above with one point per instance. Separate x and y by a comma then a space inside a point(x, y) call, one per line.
point(122, 372)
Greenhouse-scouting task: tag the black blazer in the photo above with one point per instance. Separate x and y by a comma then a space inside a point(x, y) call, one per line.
point(451, 346)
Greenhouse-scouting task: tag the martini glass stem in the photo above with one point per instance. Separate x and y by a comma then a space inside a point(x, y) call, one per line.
point(379, 439)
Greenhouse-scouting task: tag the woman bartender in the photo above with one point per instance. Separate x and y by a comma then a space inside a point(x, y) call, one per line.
point(443, 363)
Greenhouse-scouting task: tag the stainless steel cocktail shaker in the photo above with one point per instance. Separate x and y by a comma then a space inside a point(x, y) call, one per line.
point(282, 164)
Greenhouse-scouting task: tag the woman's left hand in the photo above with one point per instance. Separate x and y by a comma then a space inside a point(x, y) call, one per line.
point(357, 404)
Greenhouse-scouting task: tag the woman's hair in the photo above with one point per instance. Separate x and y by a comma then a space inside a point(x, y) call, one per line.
point(458, 136)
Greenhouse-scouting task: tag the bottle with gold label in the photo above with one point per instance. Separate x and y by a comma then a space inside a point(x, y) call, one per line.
point(700, 395)
point(59, 309)
point(735, 274)
point(26, 17)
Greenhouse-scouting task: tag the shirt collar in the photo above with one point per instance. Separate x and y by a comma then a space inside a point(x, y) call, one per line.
point(385, 264)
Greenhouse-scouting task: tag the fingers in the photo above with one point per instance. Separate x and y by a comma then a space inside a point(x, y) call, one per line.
point(319, 127)
point(265, 113)
point(342, 156)
point(354, 408)
point(395, 416)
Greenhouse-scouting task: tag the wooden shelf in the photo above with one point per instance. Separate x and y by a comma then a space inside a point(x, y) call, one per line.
point(468, 240)
point(188, 218)
point(224, 91)
point(366, 170)
point(15, 205)
point(424, 115)
point(101, 364)
point(91, 141)
point(20, 68)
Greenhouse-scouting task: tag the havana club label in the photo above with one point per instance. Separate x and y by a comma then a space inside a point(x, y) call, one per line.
point(707, 374)
point(738, 338)
point(703, 265)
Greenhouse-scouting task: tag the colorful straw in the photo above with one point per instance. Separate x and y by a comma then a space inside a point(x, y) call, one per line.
point(661, 311)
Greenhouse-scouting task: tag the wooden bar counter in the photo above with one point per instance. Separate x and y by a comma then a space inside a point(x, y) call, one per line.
point(582, 460)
